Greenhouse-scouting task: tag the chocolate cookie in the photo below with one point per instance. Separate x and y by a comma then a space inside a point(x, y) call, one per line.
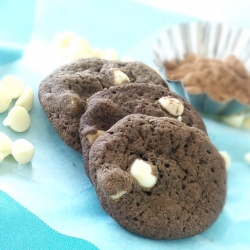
point(105, 108)
point(157, 177)
point(63, 94)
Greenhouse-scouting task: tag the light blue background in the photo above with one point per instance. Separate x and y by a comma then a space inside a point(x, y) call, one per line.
point(130, 28)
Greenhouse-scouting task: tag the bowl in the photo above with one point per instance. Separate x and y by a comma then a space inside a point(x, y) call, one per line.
point(206, 40)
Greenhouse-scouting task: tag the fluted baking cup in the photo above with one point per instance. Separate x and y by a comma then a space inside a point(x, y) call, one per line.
point(209, 40)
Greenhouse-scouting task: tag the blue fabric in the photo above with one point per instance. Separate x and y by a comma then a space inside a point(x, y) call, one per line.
point(56, 176)
point(22, 230)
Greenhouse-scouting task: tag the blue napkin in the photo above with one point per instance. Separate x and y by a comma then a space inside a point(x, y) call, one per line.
point(20, 229)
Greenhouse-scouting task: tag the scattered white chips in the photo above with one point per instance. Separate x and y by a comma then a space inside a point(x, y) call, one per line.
point(110, 54)
point(127, 59)
point(234, 120)
point(78, 48)
point(5, 146)
point(72, 47)
point(18, 119)
point(23, 151)
point(12, 85)
point(247, 157)
point(26, 99)
point(61, 40)
point(5, 101)
point(246, 123)
point(97, 53)
point(226, 158)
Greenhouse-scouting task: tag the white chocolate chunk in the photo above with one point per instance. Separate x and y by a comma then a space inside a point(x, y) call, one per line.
point(26, 99)
point(1, 157)
point(23, 151)
point(127, 59)
point(246, 123)
point(118, 195)
point(179, 118)
point(61, 40)
point(234, 120)
point(110, 54)
point(18, 119)
point(247, 157)
point(73, 47)
point(5, 146)
point(76, 53)
point(80, 42)
point(12, 85)
point(97, 52)
point(92, 137)
point(5, 101)
point(172, 105)
point(142, 172)
point(120, 77)
point(226, 158)
point(78, 48)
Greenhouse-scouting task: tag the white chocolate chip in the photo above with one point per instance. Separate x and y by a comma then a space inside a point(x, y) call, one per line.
point(142, 172)
point(78, 48)
point(12, 85)
point(61, 40)
point(97, 53)
point(172, 105)
point(246, 123)
point(179, 118)
point(75, 53)
point(234, 120)
point(80, 42)
point(26, 99)
point(74, 47)
point(5, 146)
point(226, 158)
point(92, 137)
point(5, 101)
point(110, 54)
point(118, 195)
point(23, 151)
point(18, 119)
point(247, 157)
point(127, 59)
point(120, 77)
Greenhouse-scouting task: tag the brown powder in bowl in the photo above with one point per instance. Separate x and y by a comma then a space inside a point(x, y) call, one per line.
point(221, 80)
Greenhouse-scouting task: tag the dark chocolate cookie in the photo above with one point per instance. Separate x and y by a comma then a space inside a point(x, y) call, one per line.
point(105, 108)
point(63, 94)
point(157, 177)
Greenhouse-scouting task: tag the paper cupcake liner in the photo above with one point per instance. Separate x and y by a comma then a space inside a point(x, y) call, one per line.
point(210, 40)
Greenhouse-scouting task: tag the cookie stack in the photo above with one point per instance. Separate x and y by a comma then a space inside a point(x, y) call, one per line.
point(145, 149)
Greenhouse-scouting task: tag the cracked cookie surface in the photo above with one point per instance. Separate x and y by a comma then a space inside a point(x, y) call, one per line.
point(157, 177)
point(63, 94)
